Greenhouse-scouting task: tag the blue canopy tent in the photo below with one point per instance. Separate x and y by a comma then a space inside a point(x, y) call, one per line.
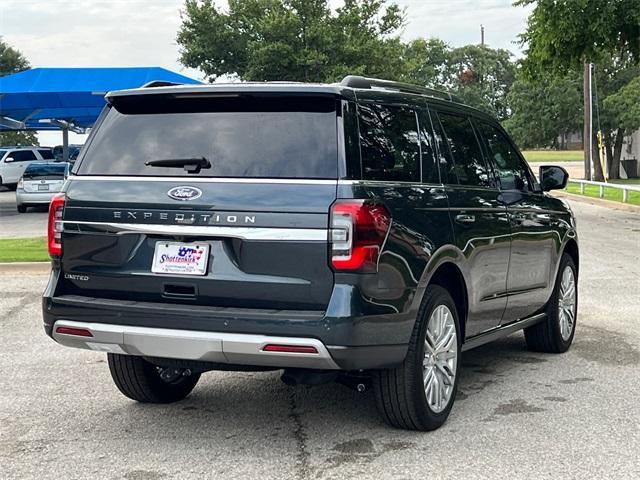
point(68, 98)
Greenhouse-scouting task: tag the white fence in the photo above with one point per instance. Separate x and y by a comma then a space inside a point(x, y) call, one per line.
point(625, 188)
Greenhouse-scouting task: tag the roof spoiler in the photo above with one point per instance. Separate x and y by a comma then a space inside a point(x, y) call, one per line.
point(355, 81)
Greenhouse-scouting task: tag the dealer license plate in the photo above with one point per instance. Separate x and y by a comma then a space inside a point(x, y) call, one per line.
point(180, 258)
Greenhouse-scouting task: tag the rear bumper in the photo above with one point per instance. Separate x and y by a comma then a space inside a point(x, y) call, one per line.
point(233, 348)
point(28, 198)
point(221, 335)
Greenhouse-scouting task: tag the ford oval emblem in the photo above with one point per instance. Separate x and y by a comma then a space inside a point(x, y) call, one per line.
point(185, 193)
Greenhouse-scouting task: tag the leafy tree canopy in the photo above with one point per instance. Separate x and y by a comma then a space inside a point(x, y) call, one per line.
point(479, 75)
point(301, 40)
point(11, 60)
point(544, 109)
point(625, 105)
point(562, 34)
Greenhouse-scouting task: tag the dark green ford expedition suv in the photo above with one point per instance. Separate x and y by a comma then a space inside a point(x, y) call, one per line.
point(367, 232)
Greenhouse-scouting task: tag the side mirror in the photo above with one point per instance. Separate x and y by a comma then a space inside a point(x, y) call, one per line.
point(553, 178)
point(8, 160)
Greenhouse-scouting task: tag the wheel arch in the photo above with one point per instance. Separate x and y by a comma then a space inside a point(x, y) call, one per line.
point(449, 276)
point(571, 249)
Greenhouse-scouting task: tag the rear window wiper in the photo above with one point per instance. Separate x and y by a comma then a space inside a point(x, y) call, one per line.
point(190, 165)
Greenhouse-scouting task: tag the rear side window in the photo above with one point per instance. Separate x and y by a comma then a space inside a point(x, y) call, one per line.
point(46, 154)
point(467, 164)
point(389, 143)
point(513, 173)
point(23, 155)
point(259, 137)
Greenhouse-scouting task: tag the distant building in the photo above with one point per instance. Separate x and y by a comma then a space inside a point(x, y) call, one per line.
point(630, 150)
point(631, 146)
point(571, 141)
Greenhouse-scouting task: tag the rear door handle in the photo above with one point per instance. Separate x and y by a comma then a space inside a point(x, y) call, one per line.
point(465, 219)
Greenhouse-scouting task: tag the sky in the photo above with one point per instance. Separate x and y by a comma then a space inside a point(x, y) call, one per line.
point(57, 33)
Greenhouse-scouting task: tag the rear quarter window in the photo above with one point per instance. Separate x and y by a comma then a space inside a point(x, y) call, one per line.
point(257, 137)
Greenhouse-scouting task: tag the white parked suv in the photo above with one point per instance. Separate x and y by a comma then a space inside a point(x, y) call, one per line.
point(14, 161)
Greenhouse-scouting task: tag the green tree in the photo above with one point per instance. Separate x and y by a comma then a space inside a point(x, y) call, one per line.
point(479, 75)
point(544, 110)
point(561, 35)
point(483, 77)
point(12, 61)
point(427, 63)
point(298, 40)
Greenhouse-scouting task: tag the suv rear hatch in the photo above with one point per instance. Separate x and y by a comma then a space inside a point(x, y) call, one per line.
point(235, 189)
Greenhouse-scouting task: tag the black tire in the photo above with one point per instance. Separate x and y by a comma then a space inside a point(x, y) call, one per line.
point(140, 380)
point(546, 336)
point(22, 209)
point(400, 393)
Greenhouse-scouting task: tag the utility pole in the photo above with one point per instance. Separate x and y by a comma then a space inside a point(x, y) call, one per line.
point(482, 35)
point(586, 133)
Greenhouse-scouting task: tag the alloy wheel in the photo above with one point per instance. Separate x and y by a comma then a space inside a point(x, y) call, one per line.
point(440, 358)
point(567, 303)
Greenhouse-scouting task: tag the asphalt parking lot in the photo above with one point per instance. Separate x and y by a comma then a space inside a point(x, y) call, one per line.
point(14, 224)
point(518, 414)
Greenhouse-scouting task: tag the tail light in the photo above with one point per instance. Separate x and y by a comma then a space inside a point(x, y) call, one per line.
point(21, 183)
point(359, 229)
point(54, 228)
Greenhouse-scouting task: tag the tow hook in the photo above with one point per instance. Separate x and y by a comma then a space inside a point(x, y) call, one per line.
point(358, 382)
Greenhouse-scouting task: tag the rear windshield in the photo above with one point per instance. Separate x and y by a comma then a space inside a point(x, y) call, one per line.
point(272, 137)
point(49, 170)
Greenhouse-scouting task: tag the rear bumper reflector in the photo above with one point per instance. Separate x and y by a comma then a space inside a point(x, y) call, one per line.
point(289, 349)
point(234, 348)
point(78, 332)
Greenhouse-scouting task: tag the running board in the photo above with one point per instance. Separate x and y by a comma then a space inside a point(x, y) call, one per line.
point(501, 331)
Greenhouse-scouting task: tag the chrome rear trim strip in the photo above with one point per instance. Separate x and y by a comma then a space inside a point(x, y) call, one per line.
point(235, 348)
point(245, 233)
point(287, 181)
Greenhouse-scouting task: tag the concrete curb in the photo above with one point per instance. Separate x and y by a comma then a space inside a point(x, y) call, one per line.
point(600, 202)
point(25, 268)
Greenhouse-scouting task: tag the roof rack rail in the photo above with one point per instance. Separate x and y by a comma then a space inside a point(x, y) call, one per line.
point(356, 81)
point(160, 83)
